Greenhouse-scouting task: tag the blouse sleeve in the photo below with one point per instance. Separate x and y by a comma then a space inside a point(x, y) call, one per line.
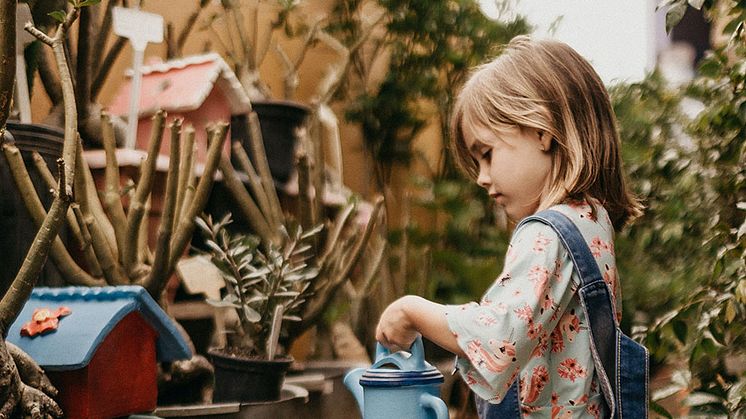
point(516, 316)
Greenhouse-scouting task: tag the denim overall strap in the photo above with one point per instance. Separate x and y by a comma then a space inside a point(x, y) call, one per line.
point(595, 298)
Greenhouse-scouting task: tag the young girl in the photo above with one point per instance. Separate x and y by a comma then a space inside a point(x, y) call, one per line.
point(535, 129)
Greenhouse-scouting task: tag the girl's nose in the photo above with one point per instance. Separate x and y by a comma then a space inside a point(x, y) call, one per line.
point(483, 179)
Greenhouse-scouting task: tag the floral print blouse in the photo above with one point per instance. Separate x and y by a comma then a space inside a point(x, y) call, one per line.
point(530, 324)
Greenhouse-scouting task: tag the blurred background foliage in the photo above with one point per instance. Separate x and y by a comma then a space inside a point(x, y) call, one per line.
point(684, 262)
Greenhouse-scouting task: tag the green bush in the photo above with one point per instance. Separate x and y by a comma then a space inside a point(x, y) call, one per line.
point(685, 260)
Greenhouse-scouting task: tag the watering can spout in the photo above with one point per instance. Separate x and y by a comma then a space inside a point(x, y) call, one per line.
point(352, 382)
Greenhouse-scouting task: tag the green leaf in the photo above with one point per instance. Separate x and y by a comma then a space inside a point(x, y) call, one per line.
point(256, 298)
point(665, 392)
point(312, 231)
point(57, 15)
point(250, 314)
point(221, 303)
point(730, 311)
point(85, 3)
point(741, 291)
point(702, 398)
point(674, 15)
point(256, 274)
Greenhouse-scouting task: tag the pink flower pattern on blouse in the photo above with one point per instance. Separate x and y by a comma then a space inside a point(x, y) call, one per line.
point(530, 325)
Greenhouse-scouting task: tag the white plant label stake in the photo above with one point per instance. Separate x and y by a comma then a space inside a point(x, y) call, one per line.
point(140, 28)
point(23, 38)
point(274, 331)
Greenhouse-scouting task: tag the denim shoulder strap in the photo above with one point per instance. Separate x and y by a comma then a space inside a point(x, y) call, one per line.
point(594, 295)
point(573, 241)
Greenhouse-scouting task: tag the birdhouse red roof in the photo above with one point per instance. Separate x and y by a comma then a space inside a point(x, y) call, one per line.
point(182, 85)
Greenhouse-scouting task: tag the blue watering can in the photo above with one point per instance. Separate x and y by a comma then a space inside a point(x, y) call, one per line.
point(399, 385)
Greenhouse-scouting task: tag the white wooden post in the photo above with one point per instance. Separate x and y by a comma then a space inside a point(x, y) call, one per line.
point(140, 28)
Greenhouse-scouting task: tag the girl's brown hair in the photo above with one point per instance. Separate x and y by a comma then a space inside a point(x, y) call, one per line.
point(546, 85)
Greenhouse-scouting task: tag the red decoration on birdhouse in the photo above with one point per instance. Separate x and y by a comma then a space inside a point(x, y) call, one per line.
point(44, 320)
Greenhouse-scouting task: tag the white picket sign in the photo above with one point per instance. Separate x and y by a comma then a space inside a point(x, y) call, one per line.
point(140, 28)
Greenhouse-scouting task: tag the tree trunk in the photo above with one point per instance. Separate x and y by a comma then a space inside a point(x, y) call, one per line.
point(7, 57)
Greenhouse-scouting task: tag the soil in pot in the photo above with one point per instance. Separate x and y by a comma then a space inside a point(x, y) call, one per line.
point(243, 378)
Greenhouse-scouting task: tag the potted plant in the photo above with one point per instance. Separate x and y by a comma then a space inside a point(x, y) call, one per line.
point(266, 284)
point(250, 41)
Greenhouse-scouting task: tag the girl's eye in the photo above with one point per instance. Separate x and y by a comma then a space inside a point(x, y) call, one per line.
point(487, 154)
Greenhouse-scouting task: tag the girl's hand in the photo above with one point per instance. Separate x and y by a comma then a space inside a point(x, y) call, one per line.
point(395, 330)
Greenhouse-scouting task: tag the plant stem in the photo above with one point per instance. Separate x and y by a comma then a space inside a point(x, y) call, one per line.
point(197, 204)
point(157, 278)
point(186, 171)
point(62, 259)
point(112, 194)
point(246, 204)
point(20, 290)
point(75, 225)
point(144, 186)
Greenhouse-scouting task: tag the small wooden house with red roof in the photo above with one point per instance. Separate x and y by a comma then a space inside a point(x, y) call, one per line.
point(202, 89)
point(103, 355)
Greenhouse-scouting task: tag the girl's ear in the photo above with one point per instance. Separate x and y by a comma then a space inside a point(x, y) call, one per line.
point(545, 141)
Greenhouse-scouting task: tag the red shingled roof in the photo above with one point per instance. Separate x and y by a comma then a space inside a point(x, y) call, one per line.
point(182, 85)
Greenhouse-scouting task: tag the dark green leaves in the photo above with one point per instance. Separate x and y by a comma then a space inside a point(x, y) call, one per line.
point(57, 15)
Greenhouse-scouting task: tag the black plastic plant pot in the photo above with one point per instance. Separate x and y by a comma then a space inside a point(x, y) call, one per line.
point(279, 121)
point(247, 380)
point(18, 229)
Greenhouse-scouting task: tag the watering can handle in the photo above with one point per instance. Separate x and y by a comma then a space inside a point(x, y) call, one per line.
point(438, 406)
point(417, 350)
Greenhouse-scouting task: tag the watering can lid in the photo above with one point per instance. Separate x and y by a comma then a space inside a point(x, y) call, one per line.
point(412, 369)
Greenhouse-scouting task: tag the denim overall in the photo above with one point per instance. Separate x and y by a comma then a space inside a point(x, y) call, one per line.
point(621, 363)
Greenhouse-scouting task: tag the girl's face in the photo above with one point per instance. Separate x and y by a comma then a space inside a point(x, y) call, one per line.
point(514, 165)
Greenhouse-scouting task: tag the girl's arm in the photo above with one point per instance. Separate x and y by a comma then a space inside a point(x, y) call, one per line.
point(411, 315)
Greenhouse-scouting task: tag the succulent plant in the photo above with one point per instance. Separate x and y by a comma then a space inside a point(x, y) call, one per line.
point(266, 283)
